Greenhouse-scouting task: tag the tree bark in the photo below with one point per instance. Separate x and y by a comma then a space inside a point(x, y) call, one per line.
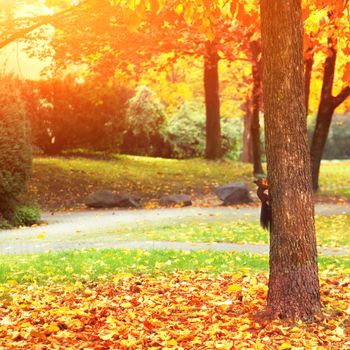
point(256, 96)
point(212, 102)
point(328, 104)
point(247, 153)
point(293, 282)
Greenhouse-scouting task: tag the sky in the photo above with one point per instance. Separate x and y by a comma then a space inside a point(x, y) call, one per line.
point(13, 59)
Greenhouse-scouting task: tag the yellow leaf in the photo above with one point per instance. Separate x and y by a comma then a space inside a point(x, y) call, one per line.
point(126, 305)
point(234, 288)
point(41, 235)
point(179, 8)
point(107, 334)
point(339, 331)
point(171, 342)
point(244, 328)
point(285, 346)
point(53, 328)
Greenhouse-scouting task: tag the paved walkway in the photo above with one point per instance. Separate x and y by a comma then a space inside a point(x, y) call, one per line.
point(80, 230)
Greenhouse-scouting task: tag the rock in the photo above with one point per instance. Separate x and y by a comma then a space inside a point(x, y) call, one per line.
point(107, 199)
point(234, 193)
point(177, 199)
point(126, 200)
point(102, 199)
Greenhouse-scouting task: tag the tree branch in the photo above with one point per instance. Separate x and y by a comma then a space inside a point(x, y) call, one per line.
point(43, 20)
point(340, 98)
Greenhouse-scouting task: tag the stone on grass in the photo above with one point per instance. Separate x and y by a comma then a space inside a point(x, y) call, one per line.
point(177, 199)
point(233, 193)
point(126, 200)
point(102, 199)
point(107, 199)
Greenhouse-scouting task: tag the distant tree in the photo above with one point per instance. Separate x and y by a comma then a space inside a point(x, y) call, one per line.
point(327, 32)
point(337, 25)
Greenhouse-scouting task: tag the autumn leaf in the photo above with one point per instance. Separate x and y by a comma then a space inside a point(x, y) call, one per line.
point(175, 311)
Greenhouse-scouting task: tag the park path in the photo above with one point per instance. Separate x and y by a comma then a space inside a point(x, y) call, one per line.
point(86, 229)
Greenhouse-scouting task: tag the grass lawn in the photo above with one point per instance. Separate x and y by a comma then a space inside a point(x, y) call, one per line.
point(332, 231)
point(335, 178)
point(64, 182)
point(94, 265)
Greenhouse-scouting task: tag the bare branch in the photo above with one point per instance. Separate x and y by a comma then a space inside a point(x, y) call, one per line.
point(340, 98)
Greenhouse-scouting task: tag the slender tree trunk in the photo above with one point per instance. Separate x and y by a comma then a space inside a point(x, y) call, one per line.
point(293, 283)
point(212, 102)
point(247, 154)
point(256, 96)
point(328, 104)
point(309, 62)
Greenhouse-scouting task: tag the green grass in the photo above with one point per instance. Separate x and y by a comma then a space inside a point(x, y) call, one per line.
point(65, 182)
point(332, 231)
point(335, 178)
point(237, 232)
point(94, 265)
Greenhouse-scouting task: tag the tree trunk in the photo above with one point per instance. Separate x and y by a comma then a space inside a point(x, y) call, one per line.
point(247, 153)
point(293, 282)
point(309, 62)
point(328, 104)
point(212, 103)
point(319, 139)
point(256, 95)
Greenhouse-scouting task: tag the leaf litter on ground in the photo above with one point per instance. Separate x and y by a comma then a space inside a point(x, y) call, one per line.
point(168, 311)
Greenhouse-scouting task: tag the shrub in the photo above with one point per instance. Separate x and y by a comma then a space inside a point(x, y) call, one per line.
point(25, 215)
point(231, 138)
point(145, 116)
point(185, 133)
point(92, 112)
point(4, 224)
point(15, 151)
point(338, 141)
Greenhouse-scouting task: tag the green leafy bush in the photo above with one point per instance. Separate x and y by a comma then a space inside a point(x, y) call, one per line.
point(145, 117)
point(15, 150)
point(185, 133)
point(66, 113)
point(338, 143)
point(25, 215)
point(4, 224)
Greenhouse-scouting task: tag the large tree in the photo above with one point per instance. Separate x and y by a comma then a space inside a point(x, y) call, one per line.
point(293, 283)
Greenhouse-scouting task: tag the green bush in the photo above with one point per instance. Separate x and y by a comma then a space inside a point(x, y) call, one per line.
point(4, 224)
point(25, 215)
point(338, 143)
point(185, 133)
point(15, 151)
point(66, 113)
point(338, 140)
point(231, 138)
point(145, 116)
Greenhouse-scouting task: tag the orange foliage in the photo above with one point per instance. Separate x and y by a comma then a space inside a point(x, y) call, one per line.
point(177, 311)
